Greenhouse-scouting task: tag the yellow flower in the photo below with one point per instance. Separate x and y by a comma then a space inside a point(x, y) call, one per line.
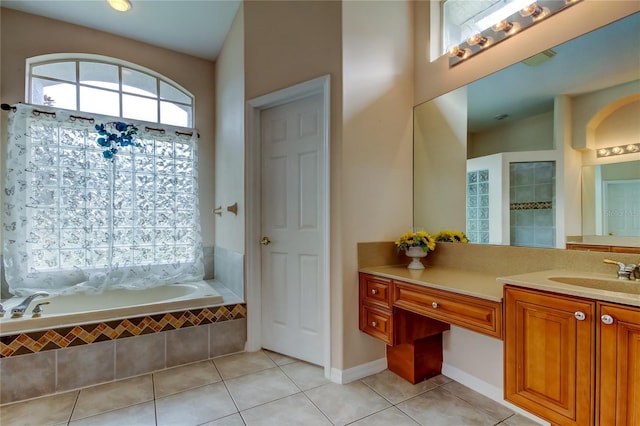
point(451, 236)
point(416, 239)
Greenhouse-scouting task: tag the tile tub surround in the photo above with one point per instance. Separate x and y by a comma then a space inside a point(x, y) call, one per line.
point(229, 269)
point(261, 388)
point(86, 361)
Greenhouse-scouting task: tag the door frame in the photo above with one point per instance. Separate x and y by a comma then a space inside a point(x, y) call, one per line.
point(253, 160)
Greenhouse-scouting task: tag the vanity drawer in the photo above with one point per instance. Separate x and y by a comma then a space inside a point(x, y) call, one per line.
point(375, 290)
point(483, 316)
point(376, 322)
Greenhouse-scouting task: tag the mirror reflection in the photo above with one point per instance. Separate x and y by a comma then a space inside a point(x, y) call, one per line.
point(553, 145)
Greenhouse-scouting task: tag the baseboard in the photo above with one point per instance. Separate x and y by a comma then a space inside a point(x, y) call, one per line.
point(490, 391)
point(358, 372)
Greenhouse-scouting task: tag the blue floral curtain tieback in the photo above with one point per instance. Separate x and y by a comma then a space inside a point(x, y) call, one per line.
point(113, 141)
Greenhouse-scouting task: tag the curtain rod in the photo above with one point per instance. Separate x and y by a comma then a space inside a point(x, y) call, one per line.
point(7, 107)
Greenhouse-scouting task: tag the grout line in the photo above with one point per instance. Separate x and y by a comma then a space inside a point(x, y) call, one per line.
point(73, 407)
point(153, 392)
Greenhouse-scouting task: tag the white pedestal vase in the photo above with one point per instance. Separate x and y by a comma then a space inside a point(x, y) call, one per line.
point(415, 253)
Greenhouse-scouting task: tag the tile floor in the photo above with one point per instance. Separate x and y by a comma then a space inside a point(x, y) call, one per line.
point(262, 388)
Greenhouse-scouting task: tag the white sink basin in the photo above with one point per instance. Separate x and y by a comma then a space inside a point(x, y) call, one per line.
point(620, 286)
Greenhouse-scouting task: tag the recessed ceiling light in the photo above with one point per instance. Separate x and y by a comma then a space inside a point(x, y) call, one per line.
point(120, 5)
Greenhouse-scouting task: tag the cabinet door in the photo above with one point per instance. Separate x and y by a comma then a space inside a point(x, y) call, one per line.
point(549, 362)
point(375, 290)
point(376, 322)
point(618, 380)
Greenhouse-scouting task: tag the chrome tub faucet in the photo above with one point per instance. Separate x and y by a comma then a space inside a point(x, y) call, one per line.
point(19, 310)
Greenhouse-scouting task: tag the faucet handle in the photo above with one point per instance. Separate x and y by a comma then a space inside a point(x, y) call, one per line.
point(620, 265)
point(37, 310)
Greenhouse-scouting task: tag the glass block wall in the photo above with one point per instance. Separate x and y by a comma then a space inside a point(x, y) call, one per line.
point(532, 204)
point(478, 206)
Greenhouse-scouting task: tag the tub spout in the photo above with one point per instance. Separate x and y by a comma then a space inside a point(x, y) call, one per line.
point(19, 310)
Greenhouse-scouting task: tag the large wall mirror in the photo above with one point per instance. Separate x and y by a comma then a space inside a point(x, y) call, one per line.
point(552, 147)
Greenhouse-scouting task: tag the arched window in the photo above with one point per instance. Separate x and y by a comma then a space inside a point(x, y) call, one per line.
point(103, 85)
point(97, 195)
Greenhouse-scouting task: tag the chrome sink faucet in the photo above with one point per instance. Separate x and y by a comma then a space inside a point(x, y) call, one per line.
point(626, 272)
point(19, 310)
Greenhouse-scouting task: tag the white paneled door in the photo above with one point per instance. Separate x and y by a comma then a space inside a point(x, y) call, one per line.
point(622, 208)
point(293, 227)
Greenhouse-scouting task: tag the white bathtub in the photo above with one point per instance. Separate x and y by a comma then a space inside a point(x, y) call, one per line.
point(110, 305)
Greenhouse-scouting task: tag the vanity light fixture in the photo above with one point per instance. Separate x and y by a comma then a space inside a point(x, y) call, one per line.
point(478, 39)
point(120, 5)
point(456, 51)
point(631, 148)
point(535, 11)
point(506, 27)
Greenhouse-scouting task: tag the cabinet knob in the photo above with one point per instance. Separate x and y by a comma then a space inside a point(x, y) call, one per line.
point(374, 291)
point(607, 319)
point(374, 324)
point(580, 316)
point(435, 305)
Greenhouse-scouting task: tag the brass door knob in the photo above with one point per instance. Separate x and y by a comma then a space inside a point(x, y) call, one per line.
point(265, 241)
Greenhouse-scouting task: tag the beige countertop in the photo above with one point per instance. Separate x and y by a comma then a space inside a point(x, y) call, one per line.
point(489, 287)
point(468, 283)
point(542, 281)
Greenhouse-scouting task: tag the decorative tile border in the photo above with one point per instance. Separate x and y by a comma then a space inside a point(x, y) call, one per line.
point(537, 205)
point(63, 337)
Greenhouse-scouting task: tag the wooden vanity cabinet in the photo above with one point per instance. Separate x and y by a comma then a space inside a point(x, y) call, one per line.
point(480, 315)
point(376, 317)
point(549, 363)
point(602, 248)
point(618, 365)
point(572, 361)
point(410, 319)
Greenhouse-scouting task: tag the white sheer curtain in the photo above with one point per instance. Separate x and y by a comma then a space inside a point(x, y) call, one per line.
point(77, 221)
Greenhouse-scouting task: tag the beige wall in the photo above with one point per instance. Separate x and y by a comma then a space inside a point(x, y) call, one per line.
point(366, 47)
point(288, 43)
point(375, 172)
point(620, 128)
point(529, 134)
point(440, 139)
point(229, 137)
point(25, 35)
point(606, 118)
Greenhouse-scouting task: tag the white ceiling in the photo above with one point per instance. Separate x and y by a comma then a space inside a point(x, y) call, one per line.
point(194, 27)
point(602, 58)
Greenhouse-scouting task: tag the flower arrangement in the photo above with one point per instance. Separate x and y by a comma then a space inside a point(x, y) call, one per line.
point(123, 136)
point(451, 236)
point(416, 239)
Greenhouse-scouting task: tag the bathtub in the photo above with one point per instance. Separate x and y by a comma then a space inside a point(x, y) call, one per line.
point(79, 309)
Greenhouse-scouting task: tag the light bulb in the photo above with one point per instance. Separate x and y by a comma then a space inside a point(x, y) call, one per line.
point(536, 12)
point(503, 25)
point(457, 51)
point(478, 39)
point(120, 5)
